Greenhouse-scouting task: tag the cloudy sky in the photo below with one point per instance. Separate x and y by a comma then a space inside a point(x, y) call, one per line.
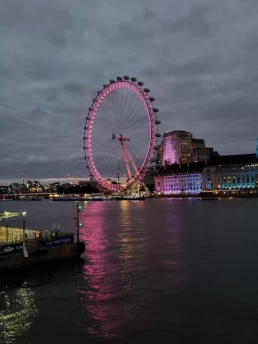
point(198, 57)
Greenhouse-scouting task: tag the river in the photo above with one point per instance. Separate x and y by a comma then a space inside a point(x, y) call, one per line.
point(154, 271)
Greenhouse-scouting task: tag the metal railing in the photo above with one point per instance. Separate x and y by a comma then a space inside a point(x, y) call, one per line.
point(18, 235)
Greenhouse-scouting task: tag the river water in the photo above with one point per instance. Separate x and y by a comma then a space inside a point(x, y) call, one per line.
point(166, 270)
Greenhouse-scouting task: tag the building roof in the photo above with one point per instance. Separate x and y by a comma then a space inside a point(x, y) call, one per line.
point(177, 132)
point(232, 159)
point(195, 167)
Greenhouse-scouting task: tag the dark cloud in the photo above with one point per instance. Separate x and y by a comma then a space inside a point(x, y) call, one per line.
point(198, 57)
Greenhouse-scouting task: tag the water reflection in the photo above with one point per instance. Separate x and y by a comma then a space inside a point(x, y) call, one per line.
point(17, 310)
point(133, 253)
point(151, 258)
point(100, 295)
point(127, 244)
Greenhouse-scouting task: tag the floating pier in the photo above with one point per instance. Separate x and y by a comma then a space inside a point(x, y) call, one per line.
point(21, 248)
point(37, 247)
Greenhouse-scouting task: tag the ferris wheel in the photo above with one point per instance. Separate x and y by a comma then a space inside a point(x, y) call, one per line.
point(121, 134)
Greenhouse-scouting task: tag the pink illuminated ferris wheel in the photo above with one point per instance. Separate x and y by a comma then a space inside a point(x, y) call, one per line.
point(121, 134)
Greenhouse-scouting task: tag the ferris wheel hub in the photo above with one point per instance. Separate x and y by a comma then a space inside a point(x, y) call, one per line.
point(120, 138)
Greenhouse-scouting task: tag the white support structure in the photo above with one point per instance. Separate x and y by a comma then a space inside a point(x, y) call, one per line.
point(131, 159)
point(126, 161)
point(126, 154)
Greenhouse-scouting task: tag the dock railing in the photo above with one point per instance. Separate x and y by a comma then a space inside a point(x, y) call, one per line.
point(33, 238)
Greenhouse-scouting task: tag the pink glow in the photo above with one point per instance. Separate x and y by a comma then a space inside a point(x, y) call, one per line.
point(151, 117)
point(98, 274)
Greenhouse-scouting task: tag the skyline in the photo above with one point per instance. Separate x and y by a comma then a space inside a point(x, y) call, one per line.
point(198, 59)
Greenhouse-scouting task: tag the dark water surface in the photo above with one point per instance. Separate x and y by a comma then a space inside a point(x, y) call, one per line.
point(166, 271)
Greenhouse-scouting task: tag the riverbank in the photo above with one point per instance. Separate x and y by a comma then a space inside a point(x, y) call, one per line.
point(208, 195)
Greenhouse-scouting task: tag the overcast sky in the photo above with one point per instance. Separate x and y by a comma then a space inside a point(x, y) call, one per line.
point(198, 57)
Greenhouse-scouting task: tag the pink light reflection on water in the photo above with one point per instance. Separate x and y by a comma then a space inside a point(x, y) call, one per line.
point(100, 296)
point(134, 253)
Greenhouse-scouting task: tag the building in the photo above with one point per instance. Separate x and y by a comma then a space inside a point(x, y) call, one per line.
point(175, 148)
point(202, 154)
point(179, 147)
point(4, 189)
point(87, 182)
point(149, 178)
point(179, 179)
point(231, 173)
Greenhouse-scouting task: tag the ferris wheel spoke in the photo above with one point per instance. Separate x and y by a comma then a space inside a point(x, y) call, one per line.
point(131, 107)
point(134, 107)
point(109, 120)
point(121, 93)
point(101, 144)
point(120, 115)
point(135, 124)
point(113, 115)
point(127, 123)
point(137, 129)
point(105, 155)
point(136, 154)
point(103, 126)
point(123, 110)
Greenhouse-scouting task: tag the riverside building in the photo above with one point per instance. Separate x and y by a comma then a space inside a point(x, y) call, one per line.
point(179, 147)
point(176, 180)
point(231, 173)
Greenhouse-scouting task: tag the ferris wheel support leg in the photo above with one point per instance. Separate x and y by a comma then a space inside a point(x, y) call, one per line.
point(131, 159)
point(126, 160)
point(147, 190)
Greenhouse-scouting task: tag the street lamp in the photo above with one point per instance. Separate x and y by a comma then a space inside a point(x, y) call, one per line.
point(6, 225)
point(6, 214)
point(78, 223)
point(23, 227)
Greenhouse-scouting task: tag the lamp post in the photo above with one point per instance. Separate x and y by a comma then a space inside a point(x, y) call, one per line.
point(23, 223)
point(6, 215)
point(78, 223)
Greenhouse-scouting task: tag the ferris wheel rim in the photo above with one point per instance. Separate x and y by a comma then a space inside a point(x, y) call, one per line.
point(151, 113)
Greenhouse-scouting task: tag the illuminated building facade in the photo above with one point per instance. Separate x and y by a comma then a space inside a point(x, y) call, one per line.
point(179, 147)
point(231, 173)
point(175, 148)
point(175, 179)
